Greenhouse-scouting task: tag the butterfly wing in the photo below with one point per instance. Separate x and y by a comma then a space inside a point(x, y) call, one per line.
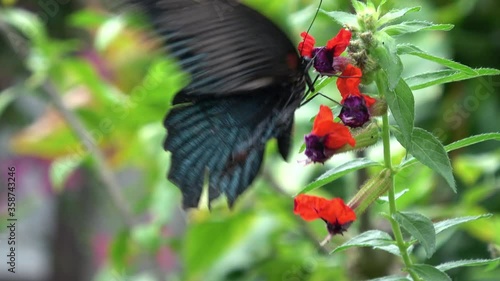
point(226, 138)
point(246, 83)
point(225, 46)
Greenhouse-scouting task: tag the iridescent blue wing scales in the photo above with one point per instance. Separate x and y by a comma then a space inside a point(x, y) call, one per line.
point(224, 138)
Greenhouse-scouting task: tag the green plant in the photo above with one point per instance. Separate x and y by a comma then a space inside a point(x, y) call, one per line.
point(375, 50)
point(111, 125)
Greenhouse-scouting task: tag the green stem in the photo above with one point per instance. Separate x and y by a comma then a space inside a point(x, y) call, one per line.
point(398, 236)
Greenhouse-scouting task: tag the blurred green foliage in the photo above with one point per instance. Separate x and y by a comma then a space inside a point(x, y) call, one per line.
point(112, 76)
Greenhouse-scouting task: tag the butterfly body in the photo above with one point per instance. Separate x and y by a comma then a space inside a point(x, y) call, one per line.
point(246, 83)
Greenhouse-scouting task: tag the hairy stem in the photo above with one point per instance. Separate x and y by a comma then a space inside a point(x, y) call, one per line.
point(398, 235)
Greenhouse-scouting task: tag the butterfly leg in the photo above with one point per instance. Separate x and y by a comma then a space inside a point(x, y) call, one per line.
point(310, 88)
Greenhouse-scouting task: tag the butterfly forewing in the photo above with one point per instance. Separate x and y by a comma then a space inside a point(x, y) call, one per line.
point(246, 82)
point(226, 46)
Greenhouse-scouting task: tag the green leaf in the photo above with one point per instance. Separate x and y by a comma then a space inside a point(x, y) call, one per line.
point(119, 250)
point(472, 140)
point(408, 49)
point(443, 225)
point(302, 148)
point(420, 227)
point(415, 26)
point(358, 6)
point(370, 6)
point(62, 168)
point(210, 254)
point(458, 144)
point(148, 236)
point(428, 79)
point(429, 151)
point(462, 263)
point(397, 195)
point(442, 76)
point(339, 171)
point(87, 19)
point(430, 273)
point(372, 238)
point(108, 32)
point(402, 106)
point(387, 56)
point(394, 15)
point(380, 5)
point(26, 22)
point(342, 18)
point(391, 249)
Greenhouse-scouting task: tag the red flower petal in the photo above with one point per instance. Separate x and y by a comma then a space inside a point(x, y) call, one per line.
point(348, 84)
point(321, 125)
point(306, 46)
point(337, 211)
point(340, 42)
point(349, 80)
point(340, 137)
point(307, 206)
point(352, 71)
point(313, 207)
point(337, 135)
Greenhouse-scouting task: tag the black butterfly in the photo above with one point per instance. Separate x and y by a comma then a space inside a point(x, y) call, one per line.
point(247, 81)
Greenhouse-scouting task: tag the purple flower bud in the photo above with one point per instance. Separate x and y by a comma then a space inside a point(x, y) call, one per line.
point(315, 148)
point(323, 61)
point(326, 64)
point(354, 112)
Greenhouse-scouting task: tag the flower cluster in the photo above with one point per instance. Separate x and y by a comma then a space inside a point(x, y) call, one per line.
point(329, 137)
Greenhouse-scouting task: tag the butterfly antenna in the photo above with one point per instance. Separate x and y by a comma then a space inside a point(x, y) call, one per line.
point(315, 16)
point(310, 26)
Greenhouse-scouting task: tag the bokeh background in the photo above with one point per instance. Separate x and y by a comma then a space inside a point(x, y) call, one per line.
point(107, 70)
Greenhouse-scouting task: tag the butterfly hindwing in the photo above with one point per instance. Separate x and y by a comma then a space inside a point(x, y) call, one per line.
point(225, 139)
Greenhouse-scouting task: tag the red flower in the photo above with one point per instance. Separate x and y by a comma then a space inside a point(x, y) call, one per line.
point(326, 136)
point(355, 105)
point(337, 215)
point(336, 135)
point(327, 59)
point(348, 84)
point(340, 42)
